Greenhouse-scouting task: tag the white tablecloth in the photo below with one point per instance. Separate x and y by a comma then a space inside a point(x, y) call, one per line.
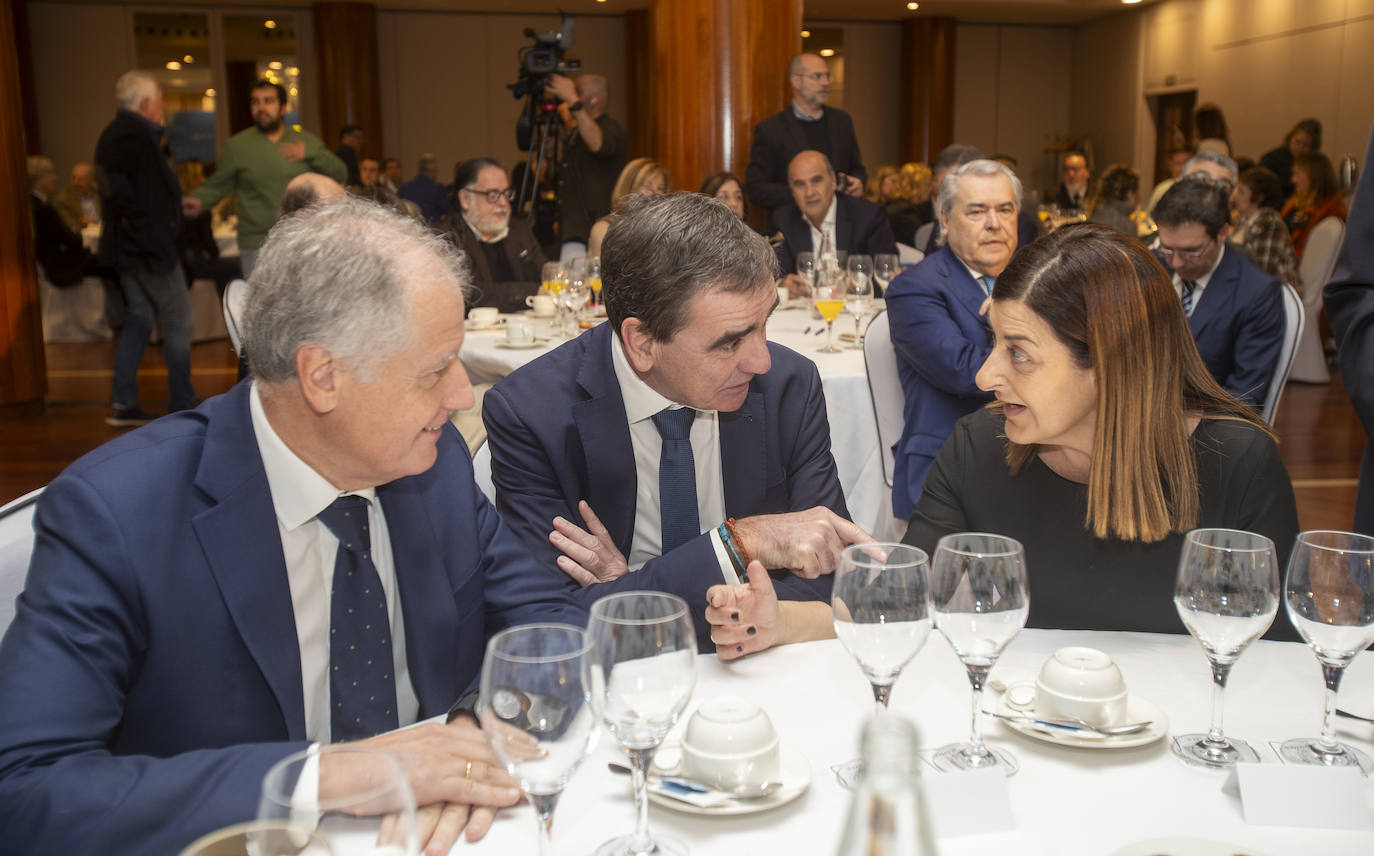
point(1065, 801)
point(853, 431)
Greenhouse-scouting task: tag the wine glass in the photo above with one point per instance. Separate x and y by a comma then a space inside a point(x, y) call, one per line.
point(885, 269)
point(979, 601)
point(858, 294)
point(881, 606)
point(573, 299)
point(1330, 597)
point(1227, 595)
point(640, 669)
point(827, 298)
point(806, 269)
point(535, 711)
point(362, 786)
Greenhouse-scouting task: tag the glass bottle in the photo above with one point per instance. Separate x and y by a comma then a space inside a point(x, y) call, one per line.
point(888, 816)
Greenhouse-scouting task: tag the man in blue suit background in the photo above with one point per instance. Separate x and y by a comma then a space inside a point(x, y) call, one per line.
point(684, 441)
point(1235, 310)
point(186, 619)
point(938, 322)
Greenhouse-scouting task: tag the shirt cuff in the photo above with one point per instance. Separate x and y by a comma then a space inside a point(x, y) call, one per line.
point(727, 568)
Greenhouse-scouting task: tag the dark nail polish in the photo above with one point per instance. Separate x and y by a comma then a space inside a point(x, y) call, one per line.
point(752, 630)
point(739, 649)
point(734, 616)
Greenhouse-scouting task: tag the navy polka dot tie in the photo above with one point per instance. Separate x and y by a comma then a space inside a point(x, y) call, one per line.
point(362, 689)
point(677, 478)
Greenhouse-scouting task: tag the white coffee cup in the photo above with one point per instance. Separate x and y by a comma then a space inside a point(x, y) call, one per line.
point(483, 316)
point(1081, 683)
point(541, 304)
point(519, 332)
point(730, 743)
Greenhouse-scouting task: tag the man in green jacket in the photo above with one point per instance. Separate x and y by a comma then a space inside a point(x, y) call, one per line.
point(258, 162)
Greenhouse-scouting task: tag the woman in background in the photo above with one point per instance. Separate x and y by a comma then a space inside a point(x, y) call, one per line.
point(1315, 197)
point(641, 175)
point(727, 188)
point(1118, 192)
point(1259, 229)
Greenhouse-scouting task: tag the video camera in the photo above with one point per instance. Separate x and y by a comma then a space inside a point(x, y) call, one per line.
point(545, 57)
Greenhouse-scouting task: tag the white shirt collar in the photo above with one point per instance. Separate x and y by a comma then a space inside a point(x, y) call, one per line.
point(641, 400)
point(827, 225)
point(299, 493)
point(1200, 282)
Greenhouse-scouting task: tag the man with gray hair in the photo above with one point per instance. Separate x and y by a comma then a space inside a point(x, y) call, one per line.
point(693, 452)
point(938, 323)
point(426, 191)
point(141, 240)
point(223, 588)
point(1212, 165)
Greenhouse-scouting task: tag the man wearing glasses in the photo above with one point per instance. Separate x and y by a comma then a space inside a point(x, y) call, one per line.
point(804, 124)
point(505, 257)
point(1235, 310)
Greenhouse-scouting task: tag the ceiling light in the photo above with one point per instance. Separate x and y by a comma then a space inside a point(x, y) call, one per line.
point(806, 34)
point(188, 59)
point(209, 93)
point(1130, 2)
point(173, 65)
point(827, 52)
point(270, 24)
point(274, 65)
point(912, 7)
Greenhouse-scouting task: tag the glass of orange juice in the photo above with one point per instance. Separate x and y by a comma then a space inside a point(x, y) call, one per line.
point(827, 295)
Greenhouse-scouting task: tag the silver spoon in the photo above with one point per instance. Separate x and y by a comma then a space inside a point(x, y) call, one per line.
point(1069, 723)
point(746, 792)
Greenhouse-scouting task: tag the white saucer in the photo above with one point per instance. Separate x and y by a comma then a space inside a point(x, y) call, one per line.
point(796, 778)
point(530, 313)
point(1137, 710)
point(474, 327)
point(523, 346)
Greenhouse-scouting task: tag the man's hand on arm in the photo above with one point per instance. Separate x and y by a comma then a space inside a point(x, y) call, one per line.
point(794, 284)
point(589, 555)
point(808, 543)
point(748, 617)
point(292, 151)
point(851, 184)
point(190, 206)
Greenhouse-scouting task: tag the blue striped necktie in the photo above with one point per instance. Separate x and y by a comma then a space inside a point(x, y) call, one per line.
point(1188, 286)
point(677, 478)
point(986, 282)
point(362, 690)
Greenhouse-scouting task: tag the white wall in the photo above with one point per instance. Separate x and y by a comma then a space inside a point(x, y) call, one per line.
point(872, 62)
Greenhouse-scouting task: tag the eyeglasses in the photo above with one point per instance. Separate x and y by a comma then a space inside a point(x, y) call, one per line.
point(1187, 255)
point(493, 195)
point(816, 75)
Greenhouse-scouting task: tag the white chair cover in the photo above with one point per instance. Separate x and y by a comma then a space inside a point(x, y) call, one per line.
point(16, 545)
point(481, 470)
point(907, 255)
point(1318, 261)
point(885, 386)
point(235, 295)
point(1294, 321)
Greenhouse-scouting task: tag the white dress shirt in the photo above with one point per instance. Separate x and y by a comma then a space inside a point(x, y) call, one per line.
point(299, 493)
point(641, 403)
point(1200, 282)
point(827, 225)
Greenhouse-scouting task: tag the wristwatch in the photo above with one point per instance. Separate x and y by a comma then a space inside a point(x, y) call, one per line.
point(575, 106)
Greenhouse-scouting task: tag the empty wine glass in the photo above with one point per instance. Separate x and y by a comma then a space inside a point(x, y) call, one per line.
point(573, 300)
point(640, 669)
point(979, 601)
point(881, 607)
point(1330, 597)
point(885, 269)
point(1227, 595)
point(858, 295)
point(827, 297)
point(341, 791)
point(535, 711)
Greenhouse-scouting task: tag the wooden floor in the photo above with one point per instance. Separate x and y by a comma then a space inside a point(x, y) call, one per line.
point(1320, 438)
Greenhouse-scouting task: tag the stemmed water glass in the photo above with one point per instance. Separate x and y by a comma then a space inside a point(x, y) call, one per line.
point(535, 711)
point(555, 279)
point(1227, 594)
point(300, 805)
point(881, 606)
point(640, 669)
point(806, 269)
point(858, 295)
point(885, 269)
point(1330, 597)
point(979, 600)
point(573, 300)
point(827, 297)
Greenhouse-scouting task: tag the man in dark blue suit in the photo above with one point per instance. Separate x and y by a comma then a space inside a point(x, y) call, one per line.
point(684, 441)
point(187, 622)
point(938, 322)
point(1235, 310)
point(855, 226)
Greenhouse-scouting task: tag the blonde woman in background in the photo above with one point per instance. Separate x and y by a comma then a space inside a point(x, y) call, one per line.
point(641, 175)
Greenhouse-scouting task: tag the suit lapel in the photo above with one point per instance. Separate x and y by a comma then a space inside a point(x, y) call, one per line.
point(1216, 297)
point(744, 455)
point(965, 288)
point(605, 439)
point(844, 222)
point(243, 549)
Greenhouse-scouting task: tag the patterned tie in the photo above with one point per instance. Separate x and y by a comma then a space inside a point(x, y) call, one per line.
point(677, 478)
point(1188, 286)
point(362, 693)
point(986, 282)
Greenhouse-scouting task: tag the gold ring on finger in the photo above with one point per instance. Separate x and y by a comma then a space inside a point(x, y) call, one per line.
point(467, 773)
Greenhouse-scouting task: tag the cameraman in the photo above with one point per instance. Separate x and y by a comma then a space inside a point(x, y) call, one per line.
point(592, 157)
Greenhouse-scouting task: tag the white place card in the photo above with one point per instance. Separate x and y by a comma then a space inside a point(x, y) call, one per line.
point(1298, 795)
point(970, 803)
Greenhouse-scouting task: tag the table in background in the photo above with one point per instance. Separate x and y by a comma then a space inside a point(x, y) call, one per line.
point(1065, 801)
point(849, 405)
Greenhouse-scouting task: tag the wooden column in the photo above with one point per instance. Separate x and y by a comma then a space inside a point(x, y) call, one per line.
point(720, 67)
point(349, 83)
point(23, 374)
point(927, 95)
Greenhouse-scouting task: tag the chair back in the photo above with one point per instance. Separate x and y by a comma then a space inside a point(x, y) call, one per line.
point(908, 255)
point(1319, 259)
point(235, 296)
point(16, 546)
point(481, 470)
point(922, 236)
point(1294, 320)
point(884, 387)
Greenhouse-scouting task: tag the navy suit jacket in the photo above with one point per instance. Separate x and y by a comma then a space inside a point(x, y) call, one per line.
point(152, 673)
point(559, 434)
point(1238, 326)
point(941, 341)
point(781, 137)
point(860, 227)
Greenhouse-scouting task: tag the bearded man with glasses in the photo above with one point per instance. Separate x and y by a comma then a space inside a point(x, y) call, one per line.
point(505, 256)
